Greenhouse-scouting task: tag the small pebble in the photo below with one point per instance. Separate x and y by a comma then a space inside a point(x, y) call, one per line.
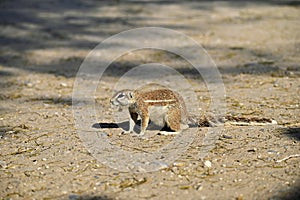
point(63, 85)
point(178, 164)
point(252, 150)
point(207, 164)
point(272, 151)
point(227, 136)
point(3, 164)
point(199, 187)
point(29, 85)
point(109, 134)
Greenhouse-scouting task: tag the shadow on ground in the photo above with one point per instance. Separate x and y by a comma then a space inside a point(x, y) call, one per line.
point(88, 197)
point(292, 132)
point(54, 100)
point(75, 25)
point(125, 126)
point(292, 193)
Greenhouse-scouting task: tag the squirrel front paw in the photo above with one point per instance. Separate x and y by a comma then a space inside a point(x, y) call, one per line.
point(126, 132)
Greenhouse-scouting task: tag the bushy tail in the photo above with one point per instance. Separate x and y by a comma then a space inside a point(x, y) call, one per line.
point(206, 121)
point(213, 121)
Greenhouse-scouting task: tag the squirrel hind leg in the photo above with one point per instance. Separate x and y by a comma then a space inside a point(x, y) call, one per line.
point(173, 119)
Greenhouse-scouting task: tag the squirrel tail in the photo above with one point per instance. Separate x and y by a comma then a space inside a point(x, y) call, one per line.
point(206, 121)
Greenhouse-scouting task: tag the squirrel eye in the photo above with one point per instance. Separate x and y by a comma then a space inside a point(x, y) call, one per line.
point(130, 94)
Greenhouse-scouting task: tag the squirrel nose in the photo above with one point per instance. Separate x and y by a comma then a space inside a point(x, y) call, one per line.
point(112, 102)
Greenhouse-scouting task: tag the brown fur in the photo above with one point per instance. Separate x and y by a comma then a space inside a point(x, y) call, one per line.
point(139, 102)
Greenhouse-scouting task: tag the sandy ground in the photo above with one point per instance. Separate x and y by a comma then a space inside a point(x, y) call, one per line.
point(255, 45)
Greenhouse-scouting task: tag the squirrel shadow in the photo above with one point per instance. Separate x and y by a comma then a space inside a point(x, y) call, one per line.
point(125, 126)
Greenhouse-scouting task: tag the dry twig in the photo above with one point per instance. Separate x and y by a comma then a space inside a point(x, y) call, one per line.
point(288, 157)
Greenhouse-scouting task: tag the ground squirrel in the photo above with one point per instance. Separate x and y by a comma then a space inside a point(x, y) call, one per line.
point(167, 104)
point(172, 112)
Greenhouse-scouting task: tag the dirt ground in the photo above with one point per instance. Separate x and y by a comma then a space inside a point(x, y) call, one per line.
point(255, 44)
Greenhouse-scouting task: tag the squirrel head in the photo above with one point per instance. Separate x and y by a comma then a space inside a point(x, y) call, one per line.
point(123, 98)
